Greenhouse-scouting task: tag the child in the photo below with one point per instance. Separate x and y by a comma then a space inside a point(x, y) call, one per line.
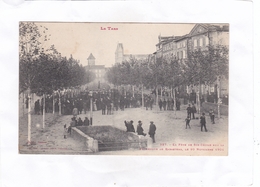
point(212, 116)
point(65, 131)
point(187, 121)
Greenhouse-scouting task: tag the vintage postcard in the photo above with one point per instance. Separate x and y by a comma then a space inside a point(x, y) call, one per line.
point(123, 88)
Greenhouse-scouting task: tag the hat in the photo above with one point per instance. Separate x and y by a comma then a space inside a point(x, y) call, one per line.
point(151, 121)
point(139, 121)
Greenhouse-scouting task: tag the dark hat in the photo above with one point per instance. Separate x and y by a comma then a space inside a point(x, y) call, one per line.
point(139, 121)
point(131, 121)
point(151, 121)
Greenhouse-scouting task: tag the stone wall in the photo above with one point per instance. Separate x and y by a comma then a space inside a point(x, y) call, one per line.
point(107, 138)
point(206, 106)
point(90, 143)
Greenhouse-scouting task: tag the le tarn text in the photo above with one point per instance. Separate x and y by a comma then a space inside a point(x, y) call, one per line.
point(109, 28)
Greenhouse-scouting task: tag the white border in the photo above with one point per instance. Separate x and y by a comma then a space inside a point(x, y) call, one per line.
point(43, 170)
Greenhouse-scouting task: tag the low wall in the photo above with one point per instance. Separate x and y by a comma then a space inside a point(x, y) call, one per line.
point(206, 106)
point(107, 138)
point(90, 143)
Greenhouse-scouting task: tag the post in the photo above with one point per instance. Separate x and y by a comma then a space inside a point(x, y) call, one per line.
point(43, 112)
point(29, 117)
point(133, 90)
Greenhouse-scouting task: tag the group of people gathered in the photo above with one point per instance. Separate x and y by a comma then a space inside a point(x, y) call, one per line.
point(139, 129)
point(169, 104)
point(192, 110)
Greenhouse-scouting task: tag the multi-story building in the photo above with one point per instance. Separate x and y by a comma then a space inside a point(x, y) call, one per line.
point(201, 35)
point(120, 56)
point(98, 70)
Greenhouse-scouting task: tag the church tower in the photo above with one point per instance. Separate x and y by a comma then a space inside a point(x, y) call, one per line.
point(91, 60)
point(119, 54)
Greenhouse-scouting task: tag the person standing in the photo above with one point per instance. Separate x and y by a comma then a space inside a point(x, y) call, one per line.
point(152, 130)
point(187, 121)
point(164, 104)
point(203, 122)
point(86, 122)
point(140, 130)
point(189, 111)
point(212, 116)
point(65, 131)
point(160, 104)
point(193, 111)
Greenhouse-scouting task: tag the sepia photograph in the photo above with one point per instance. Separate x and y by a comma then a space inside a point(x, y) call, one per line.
point(89, 88)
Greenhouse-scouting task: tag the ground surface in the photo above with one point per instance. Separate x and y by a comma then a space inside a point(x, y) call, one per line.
point(171, 136)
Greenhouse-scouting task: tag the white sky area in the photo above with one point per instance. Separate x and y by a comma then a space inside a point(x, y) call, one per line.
point(81, 39)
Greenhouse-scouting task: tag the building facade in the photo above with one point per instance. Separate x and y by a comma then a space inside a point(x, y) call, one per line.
point(98, 70)
point(200, 37)
point(120, 56)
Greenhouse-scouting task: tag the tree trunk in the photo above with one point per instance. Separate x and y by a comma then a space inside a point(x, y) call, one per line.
point(174, 106)
point(91, 112)
point(218, 92)
point(157, 96)
point(53, 104)
point(29, 117)
point(43, 112)
point(23, 103)
point(142, 95)
point(59, 105)
point(161, 92)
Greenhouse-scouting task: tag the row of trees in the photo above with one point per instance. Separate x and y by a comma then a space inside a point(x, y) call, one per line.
point(44, 71)
point(202, 66)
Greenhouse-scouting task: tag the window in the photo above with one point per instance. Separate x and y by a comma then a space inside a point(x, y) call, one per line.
point(195, 43)
point(207, 41)
point(204, 41)
point(201, 41)
point(181, 54)
point(184, 44)
point(184, 54)
point(198, 42)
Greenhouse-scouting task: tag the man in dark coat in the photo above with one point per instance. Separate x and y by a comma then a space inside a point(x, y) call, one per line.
point(189, 111)
point(203, 122)
point(193, 111)
point(86, 122)
point(140, 130)
point(160, 104)
point(152, 130)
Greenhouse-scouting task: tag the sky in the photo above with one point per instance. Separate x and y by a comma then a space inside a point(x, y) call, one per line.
point(81, 39)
